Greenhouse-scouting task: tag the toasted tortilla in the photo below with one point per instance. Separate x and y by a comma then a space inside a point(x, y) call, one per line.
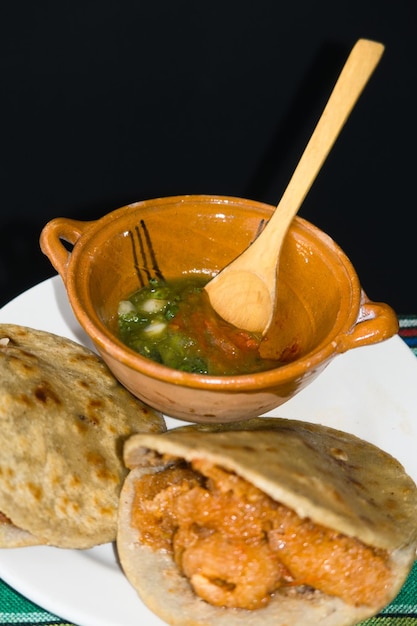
point(63, 422)
point(333, 478)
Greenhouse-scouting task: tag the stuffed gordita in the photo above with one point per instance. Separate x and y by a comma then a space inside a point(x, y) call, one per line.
point(64, 419)
point(268, 521)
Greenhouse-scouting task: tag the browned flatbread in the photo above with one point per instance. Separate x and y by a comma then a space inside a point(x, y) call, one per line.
point(63, 422)
point(332, 478)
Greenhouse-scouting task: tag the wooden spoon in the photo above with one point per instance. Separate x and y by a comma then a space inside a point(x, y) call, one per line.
point(244, 292)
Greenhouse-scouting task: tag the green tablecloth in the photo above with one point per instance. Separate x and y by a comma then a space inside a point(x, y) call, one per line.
point(17, 610)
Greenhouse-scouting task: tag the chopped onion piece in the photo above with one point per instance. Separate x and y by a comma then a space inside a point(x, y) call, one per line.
point(125, 306)
point(155, 328)
point(153, 305)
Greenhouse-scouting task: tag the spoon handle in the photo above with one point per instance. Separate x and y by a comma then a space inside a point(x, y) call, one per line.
point(356, 72)
point(244, 292)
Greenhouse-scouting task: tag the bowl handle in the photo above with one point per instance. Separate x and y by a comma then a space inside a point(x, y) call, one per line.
point(376, 322)
point(51, 241)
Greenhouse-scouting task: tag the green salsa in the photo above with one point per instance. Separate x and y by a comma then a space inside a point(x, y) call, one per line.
point(174, 324)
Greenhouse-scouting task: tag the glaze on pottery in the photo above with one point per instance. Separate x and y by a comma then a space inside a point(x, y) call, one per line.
point(321, 309)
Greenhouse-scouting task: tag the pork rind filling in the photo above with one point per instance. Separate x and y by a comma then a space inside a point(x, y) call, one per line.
point(239, 548)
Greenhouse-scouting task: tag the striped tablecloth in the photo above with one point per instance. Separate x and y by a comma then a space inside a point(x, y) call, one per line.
point(17, 610)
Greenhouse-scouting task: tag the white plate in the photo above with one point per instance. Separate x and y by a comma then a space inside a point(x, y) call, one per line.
point(370, 392)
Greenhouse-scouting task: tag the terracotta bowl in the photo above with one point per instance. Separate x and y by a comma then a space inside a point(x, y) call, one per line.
point(322, 310)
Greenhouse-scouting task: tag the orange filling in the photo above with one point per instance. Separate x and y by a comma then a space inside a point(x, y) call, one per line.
point(237, 546)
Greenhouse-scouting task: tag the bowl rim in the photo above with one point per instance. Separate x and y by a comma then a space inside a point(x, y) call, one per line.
point(108, 344)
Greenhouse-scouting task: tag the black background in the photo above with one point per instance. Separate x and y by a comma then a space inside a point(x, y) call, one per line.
point(105, 103)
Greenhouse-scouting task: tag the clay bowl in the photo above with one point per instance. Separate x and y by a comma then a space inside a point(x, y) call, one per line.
point(322, 309)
